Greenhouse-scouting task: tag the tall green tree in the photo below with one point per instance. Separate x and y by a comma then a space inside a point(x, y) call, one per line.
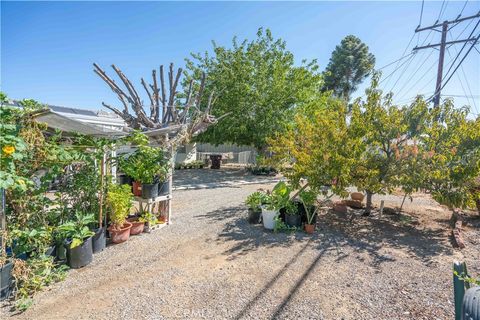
point(350, 64)
point(258, 86)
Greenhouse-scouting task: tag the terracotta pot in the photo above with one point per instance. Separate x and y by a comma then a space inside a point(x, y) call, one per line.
point(137, 189)
point(309, 228)
point(358, 196)
point(120, 235)
point(137, 226)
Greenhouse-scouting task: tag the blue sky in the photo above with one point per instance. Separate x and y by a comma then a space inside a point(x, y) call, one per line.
point(47, 48)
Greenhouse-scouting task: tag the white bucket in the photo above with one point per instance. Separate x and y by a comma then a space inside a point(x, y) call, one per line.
point(269, 218)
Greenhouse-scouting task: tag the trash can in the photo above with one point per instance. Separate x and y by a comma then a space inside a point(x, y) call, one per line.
point(216, 161)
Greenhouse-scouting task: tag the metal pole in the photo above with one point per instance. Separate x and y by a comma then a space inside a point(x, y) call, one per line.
point(438, 88)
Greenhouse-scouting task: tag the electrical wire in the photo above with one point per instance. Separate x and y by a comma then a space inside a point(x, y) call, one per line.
point(420, 79)
point(463, 47)
point(463, 8)
point(460, 63)
point(417, 69)
point(461, 82)
point(466, 79)
point(388, 65)
point(421, 14)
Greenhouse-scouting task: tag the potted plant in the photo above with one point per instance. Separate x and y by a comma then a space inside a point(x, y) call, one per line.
point(274, 201)
point(292, 214)
point(149, 220)
point(308, 199)
point(129, 164)
point(119, 198)
point(137, 225)
point(78, 240)
point(254, 202)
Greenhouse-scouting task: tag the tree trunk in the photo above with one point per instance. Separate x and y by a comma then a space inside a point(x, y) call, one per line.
point(477, 202)
point(368, 208)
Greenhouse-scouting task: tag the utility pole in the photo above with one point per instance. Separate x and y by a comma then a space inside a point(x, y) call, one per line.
point(443, 43)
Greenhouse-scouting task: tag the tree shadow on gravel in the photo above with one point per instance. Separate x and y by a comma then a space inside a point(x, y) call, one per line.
point(365, 234)
point(249, 237)
point(362, 235)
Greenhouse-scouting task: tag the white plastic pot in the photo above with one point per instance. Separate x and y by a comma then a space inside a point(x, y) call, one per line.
point(268, 217)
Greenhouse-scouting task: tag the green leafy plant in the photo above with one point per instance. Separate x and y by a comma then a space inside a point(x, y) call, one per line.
point(255, 200)
point(146, 163)
point(148, 217)
point(32, 241)
point(77, 230)
point(119, 198)
point(279, 197)
point(32, 276)
point(281, 226)
point(308, 199)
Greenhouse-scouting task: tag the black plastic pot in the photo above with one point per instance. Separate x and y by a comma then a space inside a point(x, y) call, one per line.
point(164, 189)
point(293, 220)
point(6, 280)
point(254, 216)
point(99, 240)
point(81, 255)
point(149, 190)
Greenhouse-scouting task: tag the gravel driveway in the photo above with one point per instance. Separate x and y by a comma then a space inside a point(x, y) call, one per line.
point(211, 264)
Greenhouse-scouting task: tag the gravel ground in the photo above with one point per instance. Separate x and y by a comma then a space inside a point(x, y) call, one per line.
point(211, 264)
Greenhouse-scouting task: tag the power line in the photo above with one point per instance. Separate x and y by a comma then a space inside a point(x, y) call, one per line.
point(466, 79)
point(403, 63)
point(419, 65)
point(460, 80)
point(421, 13)
point(463, 8)
point(388, 65)
point(445, 24)
point(420, 79)
point(459, 64)
point(463, 47)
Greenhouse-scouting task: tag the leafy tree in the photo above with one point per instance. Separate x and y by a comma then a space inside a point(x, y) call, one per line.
point(450, 150)
point(258, 86)
point(386, 138)
point(350, 64)
point(316, 146)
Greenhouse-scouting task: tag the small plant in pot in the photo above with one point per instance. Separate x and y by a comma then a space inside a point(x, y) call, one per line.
point(308, 199)
point(119, 199)
point(129, 164)
point(149, 220)
point(292, 214)
point(78, 240)
point(254, 202)
point(138, 225)
point(274, 201)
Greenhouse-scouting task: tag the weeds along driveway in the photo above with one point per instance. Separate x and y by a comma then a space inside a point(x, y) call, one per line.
point(211, 264)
